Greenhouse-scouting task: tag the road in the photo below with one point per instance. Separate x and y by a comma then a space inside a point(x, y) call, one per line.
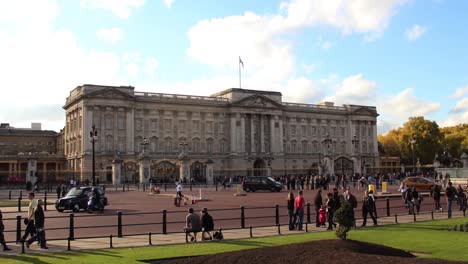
point(142, 213)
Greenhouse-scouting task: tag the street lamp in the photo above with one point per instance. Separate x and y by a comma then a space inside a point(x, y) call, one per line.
point(413, 141)
point(355, 142)
point(93, 135)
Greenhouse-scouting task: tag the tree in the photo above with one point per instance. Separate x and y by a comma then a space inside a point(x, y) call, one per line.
point(455, 139)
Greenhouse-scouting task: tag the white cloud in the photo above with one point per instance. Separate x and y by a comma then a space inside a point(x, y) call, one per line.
point(324, 44)
point(363, 16)
point(405, 104)
point(301, 90)
point(169, 3)
point(460, 106)
point(415, 32)
point(132, 70)
point(461, 92)
point(120, 8)
point(354, 90)
point(111, 35)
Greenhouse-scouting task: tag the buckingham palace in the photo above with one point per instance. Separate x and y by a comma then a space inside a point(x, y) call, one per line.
point(235, 132)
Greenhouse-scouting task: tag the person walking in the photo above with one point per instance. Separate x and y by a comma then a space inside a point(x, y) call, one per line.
point(58, 191)
point(417, 199)
point(30, 229)
point(368, 207)
point(330, 206)
point(318, 202)
point(460, 197)
point(351, 199)
point(2, 237)
point(435, 193)
point(450, 194)
point(39, 225)
point(291, 213)
point(299, 209)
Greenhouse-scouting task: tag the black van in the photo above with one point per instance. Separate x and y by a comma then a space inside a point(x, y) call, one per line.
point(252, 184)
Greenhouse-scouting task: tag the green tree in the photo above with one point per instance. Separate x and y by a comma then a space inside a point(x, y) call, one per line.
point(455, 139)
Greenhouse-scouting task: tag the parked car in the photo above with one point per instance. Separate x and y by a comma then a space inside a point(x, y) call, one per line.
point(421, 183)
point(252, 184)
point(77, 198)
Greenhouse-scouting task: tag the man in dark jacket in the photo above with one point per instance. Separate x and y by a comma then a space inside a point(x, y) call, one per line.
point(318, 204)
point(368, 207)
point(2, 237)
point(39, 224)
point(451, 195)
point(207, 224)
point(435, 193)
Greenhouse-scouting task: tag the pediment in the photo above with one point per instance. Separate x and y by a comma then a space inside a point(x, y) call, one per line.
point(365, 111)
point(109, 93)
point(257, 101)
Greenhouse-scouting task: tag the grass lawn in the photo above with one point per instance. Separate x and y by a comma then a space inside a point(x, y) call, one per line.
point(424, 237)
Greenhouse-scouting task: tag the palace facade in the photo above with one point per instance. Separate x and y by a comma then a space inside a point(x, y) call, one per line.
point(235, 132)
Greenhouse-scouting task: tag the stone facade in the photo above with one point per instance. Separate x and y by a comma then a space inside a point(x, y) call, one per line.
point(30, 154)
point(235, 132)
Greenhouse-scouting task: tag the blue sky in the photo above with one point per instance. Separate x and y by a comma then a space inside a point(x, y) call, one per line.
point(407, 57)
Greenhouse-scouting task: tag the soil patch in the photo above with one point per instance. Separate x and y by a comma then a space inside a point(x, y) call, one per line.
point(326, 252)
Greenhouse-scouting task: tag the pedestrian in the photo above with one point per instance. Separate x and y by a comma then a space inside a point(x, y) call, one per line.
point(368, 207)
point(330, 206)
point(59, 191)
point(2, 237)
point(460, 196)
point(39, 220)
point(352, 201)
point(192, 225)
point(322, 215)
point(450, 194)
point(30, 229)
point(291, 213)
point(417, 199)
point(318, 202)
point(64, 191)
point(299, 209)
point(435, 193)
point(207, 225)
point(179, 190)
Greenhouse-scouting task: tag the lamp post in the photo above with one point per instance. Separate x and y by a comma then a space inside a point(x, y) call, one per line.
point(413, 141)
point(93, 135)
point(355, 142)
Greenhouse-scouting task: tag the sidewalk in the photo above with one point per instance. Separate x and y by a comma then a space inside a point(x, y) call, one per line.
point(179, 238)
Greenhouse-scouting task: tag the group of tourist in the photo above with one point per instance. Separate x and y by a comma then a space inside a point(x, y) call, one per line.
point(34, 223)
point(195, 224)
point(324, 210)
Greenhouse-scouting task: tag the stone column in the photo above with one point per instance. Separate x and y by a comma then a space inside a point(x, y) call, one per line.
point(262, 134)
point(273, 144)
point(252, 134)
point(281, 136)
point(209, 172)
point(144, 169)
point(130, 131)
point(233, 133)
point(242, 147)
point(44, 172)
point(117, 171)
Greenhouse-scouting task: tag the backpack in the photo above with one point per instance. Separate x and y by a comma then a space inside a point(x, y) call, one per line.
point(218, 235)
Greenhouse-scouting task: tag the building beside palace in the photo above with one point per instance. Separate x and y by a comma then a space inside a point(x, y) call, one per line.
point(235, 132)
point(30, 154)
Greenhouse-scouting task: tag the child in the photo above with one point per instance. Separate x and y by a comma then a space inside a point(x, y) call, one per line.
point(322, 216)
point(2, 237)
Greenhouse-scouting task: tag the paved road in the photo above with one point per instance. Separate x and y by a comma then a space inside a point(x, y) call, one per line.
point(142, 213)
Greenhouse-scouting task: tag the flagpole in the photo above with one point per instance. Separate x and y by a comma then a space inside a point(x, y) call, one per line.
point(240, 83)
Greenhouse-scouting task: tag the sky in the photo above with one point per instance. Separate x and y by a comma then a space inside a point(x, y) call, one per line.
point(406, 57)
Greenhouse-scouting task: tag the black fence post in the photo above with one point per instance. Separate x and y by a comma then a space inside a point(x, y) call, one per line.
point(22, 247)
point(104, 188)
point(21, 194)
point(432, 215)
point(396, 219)
point(277, 221)
point(68, 244)
point(18, 228)
point(119, 224)
point(165, 186)
point(216, 186)
point(242, 217)
point(279, 229)
point(164, 222)
point(144, 187)
point(110, 242)
point(19, 203)
point(388, 206)
point(307, 227)
point(72, 227)
point(308, 213)
point(414, 217)
point(9, 195)
point(251, 231)
point(123, 187)
point(128, 187)
point(45, 200)
point(149, 239)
